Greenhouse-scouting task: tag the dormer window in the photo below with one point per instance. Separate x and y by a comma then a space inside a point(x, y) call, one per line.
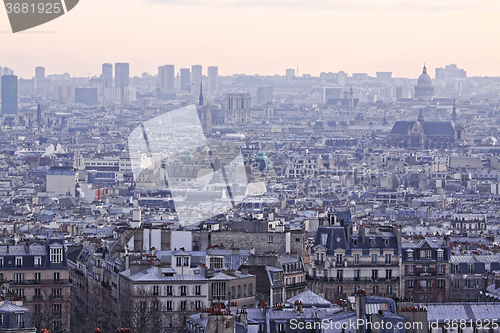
point(410, 255)
point(38, 261)
point(179, 261)
point(386, 242)
point(440, 254)
point(355, 242)
point(372, 242)
point(19, 261)
point(56, 255)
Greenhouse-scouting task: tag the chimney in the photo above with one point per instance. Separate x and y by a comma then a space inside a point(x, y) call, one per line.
point(362, 233)
point(360, 310)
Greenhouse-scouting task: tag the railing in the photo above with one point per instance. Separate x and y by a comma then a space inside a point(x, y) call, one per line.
point(354, 279)
point(296, 285)
point(42, 282)
point(38, 298)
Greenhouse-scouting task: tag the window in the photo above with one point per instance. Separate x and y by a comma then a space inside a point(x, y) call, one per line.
point(471, 269)
point(156, 290)
point(355, 242)
point(38, 277)
point(388, 259)
point(56, 293)
point(410, 284)
point(410, 255)
point(183, 290)
point(19, 261)
point(38, 293)
point(38, 261)
point(389, 290)
point(239, 291)
point(440, 255)
point(245, 288)
point(374, 259)
point(38, 308)
point(219, 290)
point(372, 242)
point(18, 277)
point(388, 274)
point(356, 259)
point(357, 274)
point(1, 261)
point(409, 269)
point(186, 261)
point(440, 269)
point(197, 305)
point(169, 291)
point(440, 284)
point(356, 289)
point(56, 309)
point(270, 239)
point(56, 255)
point(374, 274)
point(340, 290)
point(324, 239)
point(57, 326)
point(197, 290)
point(57, 276)
point(250, 289)
point(339, 259)
point(340, 275)
point(386, 242)
point(233, 292)
point(375, 290)
point(280, 328)
point(179, 261)
point(216, 262)
point(425, 269)
point(170, 306)
point(20, 319)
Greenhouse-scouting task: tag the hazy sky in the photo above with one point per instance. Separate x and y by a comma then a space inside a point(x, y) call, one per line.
point(262, 36)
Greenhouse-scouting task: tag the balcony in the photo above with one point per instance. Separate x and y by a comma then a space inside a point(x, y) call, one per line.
point(356, 279)
point(40, 282)
point(38, 298)
point(296, 285)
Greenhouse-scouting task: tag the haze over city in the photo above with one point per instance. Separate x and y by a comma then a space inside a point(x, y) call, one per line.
point(261, 37)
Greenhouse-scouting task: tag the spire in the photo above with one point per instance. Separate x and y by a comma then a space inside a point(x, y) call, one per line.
point(425, 70)
point(454, 112)
point(201, 94)
point(421, 116)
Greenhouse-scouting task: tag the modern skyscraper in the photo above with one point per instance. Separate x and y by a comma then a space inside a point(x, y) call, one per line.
point(9, 94)
point(196, 76)
point(185, 79)
point(166, 77)
point(122, 74)
point(40, 72)
point(290, 72)
point(213, 78)
point(107, 74)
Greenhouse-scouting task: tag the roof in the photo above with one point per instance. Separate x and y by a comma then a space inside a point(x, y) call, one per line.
point(469, 311)
point(309, 298)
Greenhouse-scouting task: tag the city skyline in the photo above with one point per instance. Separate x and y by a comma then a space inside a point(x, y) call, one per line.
point(265, 38)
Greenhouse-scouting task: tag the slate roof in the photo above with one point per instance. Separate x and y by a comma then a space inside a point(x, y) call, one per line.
point(440, 128)
point(469, 311)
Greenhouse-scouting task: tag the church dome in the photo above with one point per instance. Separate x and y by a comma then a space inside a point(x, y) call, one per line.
point(424, 79)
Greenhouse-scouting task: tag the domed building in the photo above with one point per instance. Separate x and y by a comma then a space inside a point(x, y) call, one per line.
point(424, 88)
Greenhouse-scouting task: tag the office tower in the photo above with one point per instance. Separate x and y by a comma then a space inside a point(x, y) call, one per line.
point(86, 95)
point(264, 95)
point(213, 78)
point(9, 94)
point(40, 72)
point(122, 73)
point(196, 76)
point(238, 108)
point(450, 72)
point(107, 74)
point(185, 79)
point(166, 77)
point(290, 72)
